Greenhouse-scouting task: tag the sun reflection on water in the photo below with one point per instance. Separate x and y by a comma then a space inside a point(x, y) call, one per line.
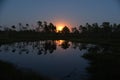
point(59, 42)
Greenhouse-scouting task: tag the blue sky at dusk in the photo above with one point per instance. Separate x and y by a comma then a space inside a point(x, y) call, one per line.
point(68, 12)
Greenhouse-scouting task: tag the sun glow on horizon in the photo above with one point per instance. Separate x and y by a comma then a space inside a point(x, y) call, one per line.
point(59, 42)
point(60, 24)
point(59, 27)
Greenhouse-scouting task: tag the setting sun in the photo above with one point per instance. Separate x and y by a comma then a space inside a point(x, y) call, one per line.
point(60, 27)
point(60, 24)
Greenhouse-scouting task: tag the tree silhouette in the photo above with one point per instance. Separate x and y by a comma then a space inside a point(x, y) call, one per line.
point(39, 26)
point(46, 28)
point(75, 30)
point(65, 30)
point(96, 27)
point(51, 27)
point(80, 28)
point(118, 27)
point(84, 29)
point(49, 46)
point(89, 27)
point(114, 27)
point(104, 63)
point(106, 27)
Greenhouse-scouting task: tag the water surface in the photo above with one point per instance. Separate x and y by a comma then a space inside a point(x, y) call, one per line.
point(54, 58)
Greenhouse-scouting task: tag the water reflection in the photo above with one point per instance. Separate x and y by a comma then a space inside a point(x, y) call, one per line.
point(40, 47)
point(57, 58)
point(62, 59)
point(104, 62)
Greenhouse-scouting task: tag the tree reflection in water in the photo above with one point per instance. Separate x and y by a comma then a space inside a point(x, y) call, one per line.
point(65, 44)
point(41, 47)
point(104, 60)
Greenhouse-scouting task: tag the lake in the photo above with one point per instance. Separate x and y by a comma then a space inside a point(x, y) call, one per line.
point(58, 59)
point(55, 58)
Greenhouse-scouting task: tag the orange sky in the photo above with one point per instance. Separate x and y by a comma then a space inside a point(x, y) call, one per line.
point(61, 23)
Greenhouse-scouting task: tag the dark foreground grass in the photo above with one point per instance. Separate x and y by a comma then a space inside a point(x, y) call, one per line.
point(9, 72)
point(104, 65)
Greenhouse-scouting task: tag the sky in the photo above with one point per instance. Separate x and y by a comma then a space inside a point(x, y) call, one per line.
point(65, 12)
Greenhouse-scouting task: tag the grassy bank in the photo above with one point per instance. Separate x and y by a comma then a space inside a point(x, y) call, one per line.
point(13, 36)
point(104, 62)
point(10, 72)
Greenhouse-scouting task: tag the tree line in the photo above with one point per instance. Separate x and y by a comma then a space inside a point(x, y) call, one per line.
point(88, 30)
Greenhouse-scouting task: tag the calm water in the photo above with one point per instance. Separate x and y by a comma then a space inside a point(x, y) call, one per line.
point(60, 59)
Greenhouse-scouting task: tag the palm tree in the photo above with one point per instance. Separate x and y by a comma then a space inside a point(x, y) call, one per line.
point(39, 25)
point(51, 27)
point(46, 28)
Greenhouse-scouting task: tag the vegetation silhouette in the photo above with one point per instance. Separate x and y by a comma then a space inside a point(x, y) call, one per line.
point(41, 47)
point(102, 34)
point(65, 44)
point(46, 31)
point(9, 71)
point(104, 62)
point(104, 59)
